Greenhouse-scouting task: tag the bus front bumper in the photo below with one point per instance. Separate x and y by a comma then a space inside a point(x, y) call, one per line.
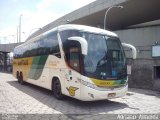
point(90, 94)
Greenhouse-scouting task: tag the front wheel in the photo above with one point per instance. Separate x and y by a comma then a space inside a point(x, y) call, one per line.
point(57, 89)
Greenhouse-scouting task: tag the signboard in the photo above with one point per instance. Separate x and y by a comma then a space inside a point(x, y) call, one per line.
point(128, 69)
point(156, 51)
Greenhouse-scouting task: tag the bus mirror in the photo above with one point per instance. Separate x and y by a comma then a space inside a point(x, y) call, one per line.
point(83, 42)
point(134, 51)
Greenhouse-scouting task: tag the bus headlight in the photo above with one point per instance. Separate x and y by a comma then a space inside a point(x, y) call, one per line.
point(87, 84)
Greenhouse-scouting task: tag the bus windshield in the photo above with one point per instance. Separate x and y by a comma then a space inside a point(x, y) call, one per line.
point(105, 58)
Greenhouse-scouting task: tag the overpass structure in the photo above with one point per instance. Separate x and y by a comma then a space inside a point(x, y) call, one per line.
point(138, 23)
point(8, 47)
point(134, 12)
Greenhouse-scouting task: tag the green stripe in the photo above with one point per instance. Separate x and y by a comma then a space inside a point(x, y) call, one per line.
point(37, 67)
point(120, 82)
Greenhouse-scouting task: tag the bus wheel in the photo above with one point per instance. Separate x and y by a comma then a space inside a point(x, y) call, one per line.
point(18, 77)
point(21, 79)
point(57, 89)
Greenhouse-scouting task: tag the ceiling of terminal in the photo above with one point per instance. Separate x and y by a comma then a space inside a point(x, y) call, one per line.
point(134, 12)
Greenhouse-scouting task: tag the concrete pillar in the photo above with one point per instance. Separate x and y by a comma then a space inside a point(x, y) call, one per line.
point(5, 61)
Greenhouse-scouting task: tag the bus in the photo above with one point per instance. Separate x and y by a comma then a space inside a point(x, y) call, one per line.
point(79, 61)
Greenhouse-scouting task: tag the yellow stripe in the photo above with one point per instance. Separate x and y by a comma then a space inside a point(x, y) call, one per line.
point(106, 83)
point(22, 64)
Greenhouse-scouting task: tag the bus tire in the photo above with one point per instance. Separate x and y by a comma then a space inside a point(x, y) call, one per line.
point(21, 79)
point(57, 92)
point(18, 77)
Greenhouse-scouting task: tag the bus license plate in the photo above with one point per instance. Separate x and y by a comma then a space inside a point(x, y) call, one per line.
point(111, 94)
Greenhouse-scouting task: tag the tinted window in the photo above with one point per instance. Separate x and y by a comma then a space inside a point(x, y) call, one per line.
point(52, 44)
point(48, 44)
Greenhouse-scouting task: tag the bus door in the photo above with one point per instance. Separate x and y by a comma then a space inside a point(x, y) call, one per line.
point(73, 58)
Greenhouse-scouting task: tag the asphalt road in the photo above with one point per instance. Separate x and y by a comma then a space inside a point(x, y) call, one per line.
point(17, 100)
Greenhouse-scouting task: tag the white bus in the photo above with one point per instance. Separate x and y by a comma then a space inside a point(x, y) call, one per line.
point(79, 61)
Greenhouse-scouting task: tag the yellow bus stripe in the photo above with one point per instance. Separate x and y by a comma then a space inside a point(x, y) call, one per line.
point(105, 83)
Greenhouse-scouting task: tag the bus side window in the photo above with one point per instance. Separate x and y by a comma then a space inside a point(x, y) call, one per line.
point(53, 45)
point(74, 58)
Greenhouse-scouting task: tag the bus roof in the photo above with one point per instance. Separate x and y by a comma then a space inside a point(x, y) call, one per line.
point(76, 27)
point(86, 29)
point(73, 27)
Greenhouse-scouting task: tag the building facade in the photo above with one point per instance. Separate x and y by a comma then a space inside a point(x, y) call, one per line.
point(146, 68)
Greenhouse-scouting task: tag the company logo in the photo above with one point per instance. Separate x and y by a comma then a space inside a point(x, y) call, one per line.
point(72, 90)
